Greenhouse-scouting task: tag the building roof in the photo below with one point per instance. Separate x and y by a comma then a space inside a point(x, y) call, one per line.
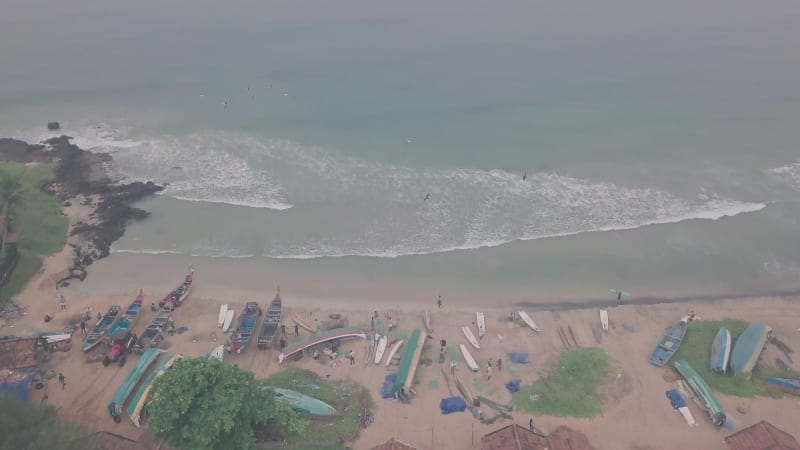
point(17, 353)
point(565, 438)
point(762, 436)
point(513, 437)
point(394, 444)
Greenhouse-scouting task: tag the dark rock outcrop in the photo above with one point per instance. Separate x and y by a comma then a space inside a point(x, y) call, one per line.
point(77, 173)
point(53, 126)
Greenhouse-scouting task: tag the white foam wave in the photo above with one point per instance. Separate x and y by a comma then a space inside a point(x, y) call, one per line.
point(146, 251)
point(789, 174)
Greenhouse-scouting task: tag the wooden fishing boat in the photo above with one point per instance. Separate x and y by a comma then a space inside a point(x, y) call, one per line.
point(480, 321)
point(180, 293)
point(703, 394)
point(392, 350)
point(380, 348)
point(247, 325)
point(100, 330)
point(470, 337)
point(409, 363)
point(304, 404)
point(748, 348)
point(604, 320)
point(223, 311)
point(218, 353)
point(130, 382)
point(140, 398)
point(319, 339)
point(669, 344)
point(721, 351)
point(272, 321)
point(155, 330)
point(784, 384)
point(228, 320)
point(124, 325)
point(528, 321)
point(473, 366)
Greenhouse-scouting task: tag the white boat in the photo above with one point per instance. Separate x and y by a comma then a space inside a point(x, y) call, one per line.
point(481, 322)
point(473, 366)
point(56, 338)
point(426, 317)
point(528, 321)
point(392, 351)
point(218, 353)
point(223, 311)
point(380, 349)
point(687, 416)
point(470, 337)
point(228, 320)
point(604, 319)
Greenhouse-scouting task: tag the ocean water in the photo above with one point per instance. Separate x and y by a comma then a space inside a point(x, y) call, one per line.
point(659, 141)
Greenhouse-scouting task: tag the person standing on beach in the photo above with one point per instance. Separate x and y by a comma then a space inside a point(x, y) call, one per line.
point(296, 330)
point(63, 302)
point(63, 380)
point(499, 365)
point(352, 356)
point(530, 424)
point(453, 365)
point(489, 372)
point(440, 302)
point(390, 324)
point(83, 327)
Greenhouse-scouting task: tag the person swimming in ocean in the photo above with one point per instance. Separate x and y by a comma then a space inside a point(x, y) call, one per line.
point(524, 176)
point(427, 196)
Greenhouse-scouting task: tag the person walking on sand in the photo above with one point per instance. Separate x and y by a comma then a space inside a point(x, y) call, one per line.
point(489, 373)
point(453, 365)
point(440, 302)
point(63, 302)
point(499, 365)
point(390, 324)
point(352, 356)
point(83, 327)
point(63, 380)
point(296, 330)
point(530, 425)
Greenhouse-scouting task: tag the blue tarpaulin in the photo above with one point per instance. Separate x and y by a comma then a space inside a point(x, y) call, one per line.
point(675, 398)
point(519, 358)
point(513, 385)
point(452, 404)
point(387, 390)
point(18, 385)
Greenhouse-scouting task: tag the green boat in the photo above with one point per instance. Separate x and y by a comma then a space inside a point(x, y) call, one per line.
point(138, 401)
point(116, 405)
point(701, 391)
point(409, 361)
point(304, 404)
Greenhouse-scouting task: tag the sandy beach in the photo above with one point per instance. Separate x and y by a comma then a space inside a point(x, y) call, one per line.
point(635, 414)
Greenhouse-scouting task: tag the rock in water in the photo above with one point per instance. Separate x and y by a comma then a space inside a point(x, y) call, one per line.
point(53, 126)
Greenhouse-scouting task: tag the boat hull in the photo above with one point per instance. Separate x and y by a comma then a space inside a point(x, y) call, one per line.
point(304, 404)
point(721, 351)
point(785, 385)
point(669, 344)
point(480, 322)
point(528, 321)
point(604, 320)
point(140, 398)
point(100, 330)
point(392, 351)
point(247, 327)
point(271, 323)
point(468, 359)
point(470, 337)
point(136, 374)
point(319, 339)
point(381, 349)
point(748, 348)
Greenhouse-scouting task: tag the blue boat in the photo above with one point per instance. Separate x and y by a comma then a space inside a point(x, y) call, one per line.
point(669, 344)
point(130, 382)
point(304, 404)
point(748, 348)
point(247, 325)
point(721, 351)
point(784, 384)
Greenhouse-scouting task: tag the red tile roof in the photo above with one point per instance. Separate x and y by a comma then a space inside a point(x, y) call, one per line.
point(394, 444)
point(513, 437)
point(565, 438)
point(762, 436)
point(17, 353)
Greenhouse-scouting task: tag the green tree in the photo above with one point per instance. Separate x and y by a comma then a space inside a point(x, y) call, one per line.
point(39, 427)
point(203, 405)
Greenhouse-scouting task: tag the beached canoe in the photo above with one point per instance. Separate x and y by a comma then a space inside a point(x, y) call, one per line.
point(130, 382)
point(392, 350)
point(124, 325)
point(409, 362)
point(426, 318)
point(784, 384)
point(100, 330)
point(228, 320)
point(680, 405)
point(247, 326)
point(155, 330)
point(272, 320)
point(528, 321)
point(604, 320)
point(470, 337)
point(473, 366)
point(177, 296)
point(218, 353)
point(480, 322)
point(703, 393)
point(319, 339)
point(304, 404)
point(223, 311)
point(140, 398)
point(748, 348)
point(669, 344)
point(380, 349)
point(721, 351)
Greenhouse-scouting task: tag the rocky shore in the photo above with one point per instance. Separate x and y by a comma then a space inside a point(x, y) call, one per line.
point(81, 176)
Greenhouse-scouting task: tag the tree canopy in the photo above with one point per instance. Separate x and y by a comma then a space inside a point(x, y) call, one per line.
point(33, 427)
point(204, 404)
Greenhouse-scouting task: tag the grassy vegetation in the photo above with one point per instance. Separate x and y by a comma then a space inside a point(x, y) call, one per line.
point(27, 267)
point(347, 397)
point(569, 390)
point(696, 348)
point(38, 217)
